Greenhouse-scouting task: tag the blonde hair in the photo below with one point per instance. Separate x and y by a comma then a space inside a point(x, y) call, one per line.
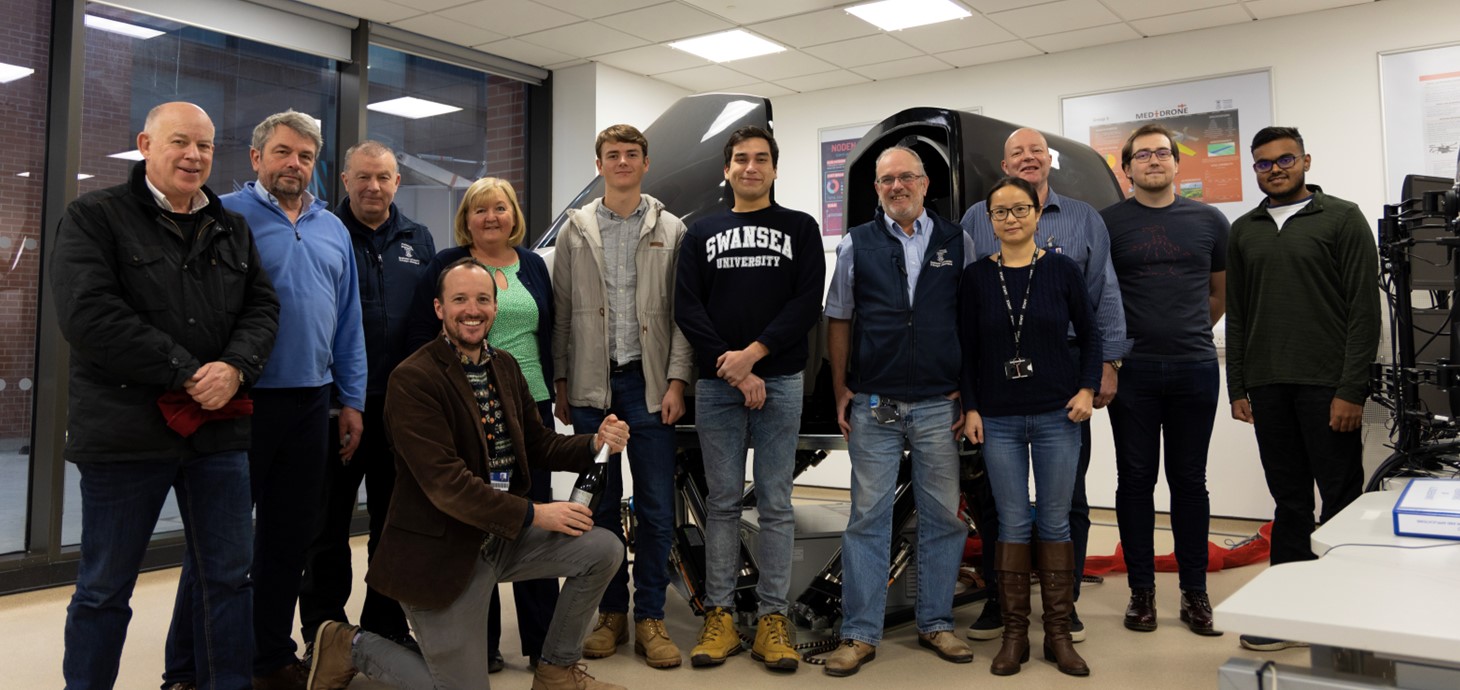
point(474, 194)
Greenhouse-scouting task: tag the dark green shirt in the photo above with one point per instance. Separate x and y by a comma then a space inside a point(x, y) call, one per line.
point(1303, 300)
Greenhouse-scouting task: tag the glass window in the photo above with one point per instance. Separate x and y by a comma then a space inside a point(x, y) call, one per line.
point(237, 81)
point(441, 155)
point(24, 66)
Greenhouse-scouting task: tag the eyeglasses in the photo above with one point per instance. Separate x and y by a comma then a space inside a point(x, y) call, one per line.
point(906, 179)
point(1144, 155)
point(1019, 211)
point(1284, 161)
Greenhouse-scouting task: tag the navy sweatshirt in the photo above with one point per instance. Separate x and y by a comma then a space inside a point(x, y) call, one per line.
point(1057, 300)
point(747, 277)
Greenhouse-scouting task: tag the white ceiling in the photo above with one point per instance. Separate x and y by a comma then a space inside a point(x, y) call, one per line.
point(826, 46)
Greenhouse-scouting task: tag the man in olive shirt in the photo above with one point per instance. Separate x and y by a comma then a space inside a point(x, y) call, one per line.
point(1302, 329)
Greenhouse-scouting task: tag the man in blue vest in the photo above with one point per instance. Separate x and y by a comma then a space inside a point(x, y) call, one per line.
point(892, 337)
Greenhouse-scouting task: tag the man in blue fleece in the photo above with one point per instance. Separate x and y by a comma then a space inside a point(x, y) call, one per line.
point(318, 355)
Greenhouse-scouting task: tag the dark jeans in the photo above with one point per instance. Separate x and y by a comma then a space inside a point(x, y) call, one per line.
point(286, 471)
point(120, 502)
point(328, 576)
point(1298, 449)
point(535, 599)
point(1176, 401)
point(651, 460)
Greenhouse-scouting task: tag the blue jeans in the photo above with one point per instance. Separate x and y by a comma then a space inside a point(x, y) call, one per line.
point(726, 427)
point(120, 503)
point(876, 453)
point(1177, 401)
point(1054, 443)
point(651, 460)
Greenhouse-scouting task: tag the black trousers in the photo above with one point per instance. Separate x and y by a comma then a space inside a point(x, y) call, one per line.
point(1299, 450)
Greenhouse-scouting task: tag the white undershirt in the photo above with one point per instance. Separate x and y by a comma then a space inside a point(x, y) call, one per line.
point(1281, 214)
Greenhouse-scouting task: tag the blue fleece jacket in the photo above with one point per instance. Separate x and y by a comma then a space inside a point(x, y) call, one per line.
point(321, 339)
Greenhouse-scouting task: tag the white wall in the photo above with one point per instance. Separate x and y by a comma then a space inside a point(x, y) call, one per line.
point(1325, 79)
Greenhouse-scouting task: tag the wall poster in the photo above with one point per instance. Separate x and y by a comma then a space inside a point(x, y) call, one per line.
point(1213, 118)
point(1420, 90)
point(836, 145)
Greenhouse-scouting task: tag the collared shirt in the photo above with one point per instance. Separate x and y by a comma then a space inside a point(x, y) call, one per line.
point(840, 303)
point(1075, 229)
point(306, 200)
point(199, 202)
point(620, 236)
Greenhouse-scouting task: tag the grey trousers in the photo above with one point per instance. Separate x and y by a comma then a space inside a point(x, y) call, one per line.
point(454, 639)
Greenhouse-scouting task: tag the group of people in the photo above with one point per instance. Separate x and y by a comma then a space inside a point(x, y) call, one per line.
point(214, 339)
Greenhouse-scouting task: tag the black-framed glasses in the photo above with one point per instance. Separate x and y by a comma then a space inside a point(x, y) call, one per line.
point(1018, 211)
point(906, 179)
point(1144, 155)
point(1284, 161)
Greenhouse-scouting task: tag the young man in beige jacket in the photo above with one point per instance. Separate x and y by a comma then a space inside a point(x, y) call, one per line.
point(617, 351)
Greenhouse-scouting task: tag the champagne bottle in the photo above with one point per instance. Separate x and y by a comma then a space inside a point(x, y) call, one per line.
point(589, 486)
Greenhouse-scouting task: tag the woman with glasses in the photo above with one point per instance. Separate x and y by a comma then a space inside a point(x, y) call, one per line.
point(1024, 396)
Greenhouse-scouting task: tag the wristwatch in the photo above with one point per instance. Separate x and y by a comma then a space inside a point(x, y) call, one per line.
point(1116, 364)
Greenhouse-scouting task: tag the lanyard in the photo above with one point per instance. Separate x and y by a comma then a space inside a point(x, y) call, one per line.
point(1017, 324)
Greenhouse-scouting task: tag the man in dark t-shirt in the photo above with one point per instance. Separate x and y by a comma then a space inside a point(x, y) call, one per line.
point(1169, 254)
point(748, 291)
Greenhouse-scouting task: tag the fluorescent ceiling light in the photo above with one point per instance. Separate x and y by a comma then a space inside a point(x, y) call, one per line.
point(133, 155)
point(23, 174)
point(412, 108)
point(891, 15)
point(123, 28)
point(725, 46)
point(9, 72)
point(79, 176)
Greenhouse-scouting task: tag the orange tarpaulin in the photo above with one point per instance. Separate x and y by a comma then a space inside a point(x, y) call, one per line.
point(1247, 552)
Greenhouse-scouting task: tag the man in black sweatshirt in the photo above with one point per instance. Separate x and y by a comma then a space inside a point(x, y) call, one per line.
point(748, 291)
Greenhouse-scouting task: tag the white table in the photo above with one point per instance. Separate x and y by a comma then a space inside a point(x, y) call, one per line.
point(1372, 603)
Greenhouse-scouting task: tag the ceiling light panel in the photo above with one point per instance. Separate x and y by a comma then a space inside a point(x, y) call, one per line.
point(726, 46)
point(412, 108)
point(891, 15)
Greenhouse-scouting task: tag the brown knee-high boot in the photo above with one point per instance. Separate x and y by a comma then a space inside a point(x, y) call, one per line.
point(1056, 563)
point(1012, 563)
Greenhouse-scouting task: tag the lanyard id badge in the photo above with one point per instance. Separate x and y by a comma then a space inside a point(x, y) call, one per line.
point(1017, 367)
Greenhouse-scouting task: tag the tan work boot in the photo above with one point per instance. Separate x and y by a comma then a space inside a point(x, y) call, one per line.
point(653, 643)
point(575, 677)
point(947, 646)
point(849, 657)
point(331, 667)
point(612, 630)
point(773, 644)
point(718, 639)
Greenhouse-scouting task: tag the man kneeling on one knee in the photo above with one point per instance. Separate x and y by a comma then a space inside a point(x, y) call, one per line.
point(465, 432)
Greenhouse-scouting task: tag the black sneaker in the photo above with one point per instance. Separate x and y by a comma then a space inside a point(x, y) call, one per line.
point(495, 661)
point(990, 623)
point(1077, 627)
point(1268, 644)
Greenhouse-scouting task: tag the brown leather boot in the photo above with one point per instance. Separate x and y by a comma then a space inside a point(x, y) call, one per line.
point(1012, 563)
point(1056, 563)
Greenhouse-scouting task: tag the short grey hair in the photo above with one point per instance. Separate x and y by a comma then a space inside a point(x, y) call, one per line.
point(371, 148)
point(297, 121)
point(899, 147)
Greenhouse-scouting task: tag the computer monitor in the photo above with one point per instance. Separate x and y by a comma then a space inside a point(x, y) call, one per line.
point(1431, 266)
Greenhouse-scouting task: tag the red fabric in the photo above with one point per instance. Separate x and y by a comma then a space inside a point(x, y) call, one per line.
point(1253, 550)
point(184, 415)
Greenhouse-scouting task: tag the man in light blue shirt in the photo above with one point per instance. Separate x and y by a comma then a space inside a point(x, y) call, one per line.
point(318, 355)
point(1073, 228)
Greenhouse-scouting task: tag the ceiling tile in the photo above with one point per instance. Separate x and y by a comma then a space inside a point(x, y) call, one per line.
point(864, 51)
point(815, 28)
point(983, 55)
point(1142, 9)
point(746, 12)
point(1084, 38)
point(953, 35)
point(987, 6)
point(1191, 21)
point(764, 90)
point(585, 39)
point(522, 51)
point(437, 26)
point(666, 22)
point(1267, 9)
point(431, 5)
point(592, 9)
point(921, 64)
point(508, 17)
point(1055, 17)
point(707, 78)
point(565, 65)
point(817, 82)
point(652, 60)
point(374, 10)
point(779, 66)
